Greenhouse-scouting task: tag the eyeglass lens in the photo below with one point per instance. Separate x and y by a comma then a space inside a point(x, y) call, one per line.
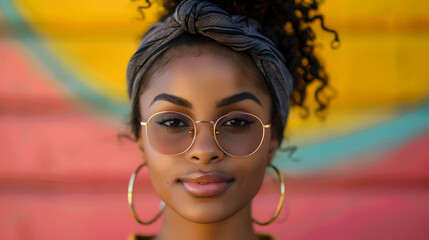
point(237, 134)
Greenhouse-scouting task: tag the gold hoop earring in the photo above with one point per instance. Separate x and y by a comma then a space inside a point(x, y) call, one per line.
point(281, 200)
point(130, 199)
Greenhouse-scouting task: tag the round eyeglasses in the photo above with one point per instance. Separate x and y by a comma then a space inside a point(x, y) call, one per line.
point(237, 134)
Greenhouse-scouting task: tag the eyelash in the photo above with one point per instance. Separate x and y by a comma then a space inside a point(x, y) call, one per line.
point(163, 121)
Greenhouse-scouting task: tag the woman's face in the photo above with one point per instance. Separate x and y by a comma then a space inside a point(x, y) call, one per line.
point(194, 84)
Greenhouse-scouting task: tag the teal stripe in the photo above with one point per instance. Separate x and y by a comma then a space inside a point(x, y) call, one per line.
point(384, 136)
point(60, 70)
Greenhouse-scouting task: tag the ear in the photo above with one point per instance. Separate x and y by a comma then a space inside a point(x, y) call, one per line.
point(274, 145)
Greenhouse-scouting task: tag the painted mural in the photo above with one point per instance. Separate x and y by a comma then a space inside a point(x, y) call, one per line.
point(362, 172)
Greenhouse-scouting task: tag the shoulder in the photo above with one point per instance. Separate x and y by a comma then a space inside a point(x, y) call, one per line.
point(264, 236)
point(140, 237)
point(261, 236)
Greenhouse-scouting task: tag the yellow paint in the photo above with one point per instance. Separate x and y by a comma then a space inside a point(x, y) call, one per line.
point(94, 39)
point(382, 61)
point(366, 15)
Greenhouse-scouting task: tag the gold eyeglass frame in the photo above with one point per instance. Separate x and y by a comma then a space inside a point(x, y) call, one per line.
point(264, 126)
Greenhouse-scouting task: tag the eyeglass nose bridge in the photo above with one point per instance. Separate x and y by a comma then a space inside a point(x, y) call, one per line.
point(202, 121)
point(207, 121)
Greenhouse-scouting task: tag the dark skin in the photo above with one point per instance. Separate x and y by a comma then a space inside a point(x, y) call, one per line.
point(206, 84)
point(227, 216)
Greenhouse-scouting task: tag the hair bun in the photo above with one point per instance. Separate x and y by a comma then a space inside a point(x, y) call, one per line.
point(286, 23)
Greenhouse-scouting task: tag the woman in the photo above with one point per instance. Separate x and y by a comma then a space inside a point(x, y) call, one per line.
point(210, 99)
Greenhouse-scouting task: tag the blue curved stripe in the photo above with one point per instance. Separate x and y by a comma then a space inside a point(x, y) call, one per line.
point(60, 70)
point(379, 137)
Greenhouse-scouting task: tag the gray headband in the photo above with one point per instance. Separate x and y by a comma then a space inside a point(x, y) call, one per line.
point(237, 32)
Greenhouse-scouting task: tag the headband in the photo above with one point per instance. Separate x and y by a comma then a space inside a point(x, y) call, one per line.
point(236, 32)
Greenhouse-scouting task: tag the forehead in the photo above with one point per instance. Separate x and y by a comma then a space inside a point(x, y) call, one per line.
point(240, 60)
point(204, 75)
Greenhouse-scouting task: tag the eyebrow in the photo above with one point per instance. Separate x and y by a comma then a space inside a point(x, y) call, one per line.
point(237, 98)
point(173, 99)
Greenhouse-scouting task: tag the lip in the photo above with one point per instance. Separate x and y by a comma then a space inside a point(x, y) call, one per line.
point(206, 184)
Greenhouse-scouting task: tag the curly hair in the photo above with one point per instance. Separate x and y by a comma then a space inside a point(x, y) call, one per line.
point(287, 24)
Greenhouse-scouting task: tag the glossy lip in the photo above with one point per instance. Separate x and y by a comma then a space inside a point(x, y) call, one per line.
point(210, 184)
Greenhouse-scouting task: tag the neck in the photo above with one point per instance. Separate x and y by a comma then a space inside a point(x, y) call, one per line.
point(238, 226)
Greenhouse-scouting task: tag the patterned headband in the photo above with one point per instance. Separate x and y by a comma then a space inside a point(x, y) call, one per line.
point(237, 32)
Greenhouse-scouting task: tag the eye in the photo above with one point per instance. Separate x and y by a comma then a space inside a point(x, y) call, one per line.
point(237, 121)
point(173, 121)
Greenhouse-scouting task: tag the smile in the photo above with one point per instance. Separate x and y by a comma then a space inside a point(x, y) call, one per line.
point(205, 184)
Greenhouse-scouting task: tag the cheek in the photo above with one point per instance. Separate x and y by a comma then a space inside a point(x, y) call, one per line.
point(160, 173)
point(257, 172)
point(262, 161)
point(159, 170)
point(253, 171)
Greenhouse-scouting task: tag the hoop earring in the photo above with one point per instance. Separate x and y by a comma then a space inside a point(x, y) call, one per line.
point(281, 200)
point(130, 199)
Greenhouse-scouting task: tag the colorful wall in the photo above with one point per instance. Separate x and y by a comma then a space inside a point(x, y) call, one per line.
point(362, 173)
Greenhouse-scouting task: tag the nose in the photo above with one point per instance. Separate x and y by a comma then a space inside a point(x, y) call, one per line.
point(204, 149)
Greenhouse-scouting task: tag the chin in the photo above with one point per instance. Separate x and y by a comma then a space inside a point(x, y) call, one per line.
point(207, 213)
